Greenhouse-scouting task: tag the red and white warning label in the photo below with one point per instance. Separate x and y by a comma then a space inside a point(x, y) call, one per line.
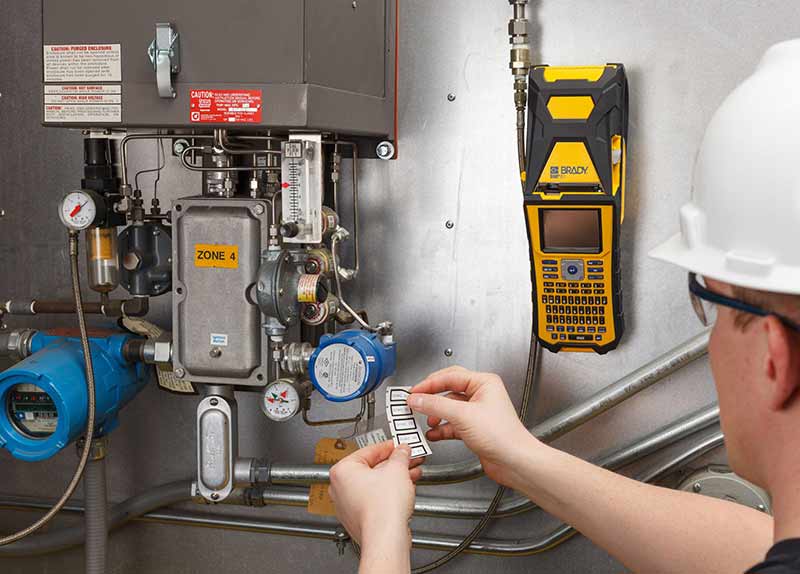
point(82, 63)
point(83, 103)
point(225, 106)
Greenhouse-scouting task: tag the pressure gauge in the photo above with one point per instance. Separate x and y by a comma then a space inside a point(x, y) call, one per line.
point(79, 210)
point(281, 400)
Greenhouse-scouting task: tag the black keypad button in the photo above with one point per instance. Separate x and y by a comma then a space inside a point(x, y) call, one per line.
point(582, 320)
point(561, 309)
point(595, 321)
point(593, 269)
point(575, 291)
point(598, 338)
point(591, 329)
point(550, 299)
point(549, 308)
point(560, 328)
point(549, 262)
point(563, 337)
point(550, 269)
point(558, 299)
point(561, 284)
point(595, 262)
point(570, 329)
point(598, 291)
point(548, 290)
point(601, 329)
point(591, 301)
point(586, 291)
point(591, 277)
point(581, 329)
point(602, 320)
point(605, 300)
point(584, 300)
point(561, 290)
point(551, 276)
point(550, 328)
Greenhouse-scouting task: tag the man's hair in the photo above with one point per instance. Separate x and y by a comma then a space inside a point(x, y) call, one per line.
point(783, 304)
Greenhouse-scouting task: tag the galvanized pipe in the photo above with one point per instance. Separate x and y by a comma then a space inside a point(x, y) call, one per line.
point(494, 547)
point(445, 507)
point(547, 431)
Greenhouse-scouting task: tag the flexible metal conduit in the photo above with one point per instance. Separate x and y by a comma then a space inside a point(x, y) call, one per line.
point(96, 499)
point(547, 431)
point(494, 547)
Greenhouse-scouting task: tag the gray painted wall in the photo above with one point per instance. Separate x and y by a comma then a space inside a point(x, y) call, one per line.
point(465, 288)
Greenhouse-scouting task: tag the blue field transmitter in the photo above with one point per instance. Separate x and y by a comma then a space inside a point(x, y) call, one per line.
point(45, 399)
point(352, 364)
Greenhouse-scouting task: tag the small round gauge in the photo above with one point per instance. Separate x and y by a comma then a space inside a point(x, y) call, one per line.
point(281, 400)
point(78, 210)
point(32, 411)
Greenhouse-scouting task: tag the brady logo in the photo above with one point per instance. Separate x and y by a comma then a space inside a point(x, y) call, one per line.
point(574, 169)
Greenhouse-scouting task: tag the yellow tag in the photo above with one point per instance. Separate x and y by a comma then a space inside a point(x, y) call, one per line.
point(329, 451)
point(220, 256)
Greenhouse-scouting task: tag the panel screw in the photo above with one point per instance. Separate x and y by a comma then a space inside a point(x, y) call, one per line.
point(385, 150)
point(762, 508)
point(215, 496)
point(696, 487)
point(2, 212)
point(258, 209)
point(180, 373)
point(215, 353)
point(214, 402)
point(451, 97)
point(449, 224)
point(448, 352)
point(355, 4)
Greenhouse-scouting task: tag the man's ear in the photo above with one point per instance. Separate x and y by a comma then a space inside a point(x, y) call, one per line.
point(781, 364)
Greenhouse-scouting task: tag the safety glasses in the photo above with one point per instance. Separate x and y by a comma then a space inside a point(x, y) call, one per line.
point(704, 300)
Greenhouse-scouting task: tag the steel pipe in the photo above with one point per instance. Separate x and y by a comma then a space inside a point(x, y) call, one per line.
point(547, 431)
point(490, 546)
point(445, 507)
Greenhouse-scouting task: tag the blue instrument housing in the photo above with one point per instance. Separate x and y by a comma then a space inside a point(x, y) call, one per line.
point(351, 364)
point(56, 366)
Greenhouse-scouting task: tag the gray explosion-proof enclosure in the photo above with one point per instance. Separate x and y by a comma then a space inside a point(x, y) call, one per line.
point(218, 302)
point(322, 65)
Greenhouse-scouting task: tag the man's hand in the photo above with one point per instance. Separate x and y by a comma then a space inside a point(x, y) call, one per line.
point(373, 490)
point(479, 412)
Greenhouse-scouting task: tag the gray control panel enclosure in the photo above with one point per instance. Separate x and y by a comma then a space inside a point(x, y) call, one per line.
point(217, 324)
point(322, 65)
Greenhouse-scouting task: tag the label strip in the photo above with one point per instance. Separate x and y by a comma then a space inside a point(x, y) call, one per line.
point(403, 424)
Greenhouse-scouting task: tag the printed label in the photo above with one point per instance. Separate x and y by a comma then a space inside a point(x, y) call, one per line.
point(82, 63)
point(328, 451)
point(219, 340)
point(307, 289)
point(373, 437)
point(83, 113)
point(403, 424)
point(219, 256)
point(225, 106)
point(340, 370)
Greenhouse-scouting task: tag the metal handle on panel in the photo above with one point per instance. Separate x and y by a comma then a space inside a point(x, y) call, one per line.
point(165, 55)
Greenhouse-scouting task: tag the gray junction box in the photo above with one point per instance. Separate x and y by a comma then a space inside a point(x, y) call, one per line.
point(321, 65)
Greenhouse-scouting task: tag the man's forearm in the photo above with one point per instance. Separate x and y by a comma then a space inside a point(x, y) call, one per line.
point(386, 550)
point(648, 528)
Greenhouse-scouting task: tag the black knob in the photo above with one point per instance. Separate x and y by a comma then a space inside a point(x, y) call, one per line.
point(290, 229)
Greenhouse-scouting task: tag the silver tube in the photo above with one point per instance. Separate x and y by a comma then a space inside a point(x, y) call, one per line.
point(497, 547)
point(548, 430)
point(517, 504)
point(149, 136)
point(221, 139)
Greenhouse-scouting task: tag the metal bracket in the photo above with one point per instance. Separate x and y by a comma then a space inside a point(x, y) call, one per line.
point(165, 55)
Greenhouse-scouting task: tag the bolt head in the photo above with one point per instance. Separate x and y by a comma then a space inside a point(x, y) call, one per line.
point(696, 487)
point(385, 150)
point(449, 224)
point(214, 402)
point(258, 209)
point(215, 496)
point(180, 373)
point(451, 97)
point(448, 352)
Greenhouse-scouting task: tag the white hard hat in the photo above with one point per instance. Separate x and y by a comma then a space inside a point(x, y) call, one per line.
point(742, 225)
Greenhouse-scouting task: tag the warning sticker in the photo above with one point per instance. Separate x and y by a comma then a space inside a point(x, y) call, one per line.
point(83, 103)
point(220, 256)
point(81, 113)
point(340, 370)
point(82, 63)
point(225, 106)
